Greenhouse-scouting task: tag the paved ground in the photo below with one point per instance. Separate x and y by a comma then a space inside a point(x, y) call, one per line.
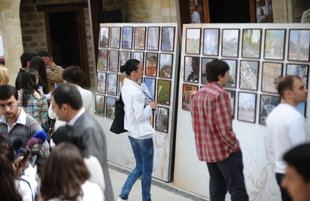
point(161, 191)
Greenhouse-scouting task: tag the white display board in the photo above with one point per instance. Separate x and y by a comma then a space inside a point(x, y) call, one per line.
point(258, 55)
point(155, 45)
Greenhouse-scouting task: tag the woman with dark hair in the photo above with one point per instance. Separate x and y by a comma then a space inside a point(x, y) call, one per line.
point(73, 135)
point(138, 110)
point(37, 63)
point(13, 186)
point(31, 99)
point(74, 75)
point(65, 176)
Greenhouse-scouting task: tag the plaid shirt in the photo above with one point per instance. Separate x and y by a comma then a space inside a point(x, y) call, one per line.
point(212, 124)
point(37, 107)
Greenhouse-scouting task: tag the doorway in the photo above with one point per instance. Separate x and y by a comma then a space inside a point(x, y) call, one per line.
point(66, 37)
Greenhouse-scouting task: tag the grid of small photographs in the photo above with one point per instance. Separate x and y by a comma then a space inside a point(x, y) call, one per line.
point(258, 59)
point(154, 47)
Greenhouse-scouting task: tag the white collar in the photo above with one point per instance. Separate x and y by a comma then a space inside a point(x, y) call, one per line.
point(73, 120)
point(20, 120)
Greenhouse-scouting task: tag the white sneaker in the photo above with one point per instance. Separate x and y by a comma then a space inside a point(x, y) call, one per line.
point(120, 199)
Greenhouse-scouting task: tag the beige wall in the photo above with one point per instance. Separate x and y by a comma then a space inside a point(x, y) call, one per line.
point(288, 11)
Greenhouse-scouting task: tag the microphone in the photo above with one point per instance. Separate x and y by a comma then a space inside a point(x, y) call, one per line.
point(41, 136)
point(17, 144)
point(29, 146)
point(36, 152)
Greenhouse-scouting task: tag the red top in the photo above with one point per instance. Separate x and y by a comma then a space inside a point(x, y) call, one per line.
point(212, 124)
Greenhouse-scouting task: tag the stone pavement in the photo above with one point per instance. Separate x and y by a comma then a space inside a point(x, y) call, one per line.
point(161, 191)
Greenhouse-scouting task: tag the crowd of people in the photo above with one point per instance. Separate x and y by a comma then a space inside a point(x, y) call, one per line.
point(72, 163)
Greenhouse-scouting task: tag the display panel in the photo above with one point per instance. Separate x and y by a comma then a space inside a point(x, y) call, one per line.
point(248, 76)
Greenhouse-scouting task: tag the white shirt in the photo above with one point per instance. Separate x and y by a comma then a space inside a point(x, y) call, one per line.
point(305, 16)
point(28, 185)
point(95, 170)
point(73, 120)
point(195, 17)
point(137, 112)
point(286, 128)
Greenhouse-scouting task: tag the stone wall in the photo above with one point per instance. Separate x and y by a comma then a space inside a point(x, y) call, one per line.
point(288, 11)
point(144, 11)
point(34, 33)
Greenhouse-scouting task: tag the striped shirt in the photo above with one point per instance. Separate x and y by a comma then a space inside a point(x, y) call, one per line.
point(212, 123)
point(24, 128)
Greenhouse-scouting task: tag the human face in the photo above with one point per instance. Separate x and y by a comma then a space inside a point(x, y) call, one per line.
point(300, 92)
point(195, 67)
point(9, 107)
point(224, 79)
point(139, 71)
point(199, 9)
point(59, 111)
point(294, 183)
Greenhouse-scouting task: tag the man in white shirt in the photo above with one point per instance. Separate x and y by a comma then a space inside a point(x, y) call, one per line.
point(286, 126)
point(67, 103)
point(195, 15)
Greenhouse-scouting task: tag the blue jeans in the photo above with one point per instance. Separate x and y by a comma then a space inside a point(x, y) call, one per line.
point(227, 175)
point(144, 153)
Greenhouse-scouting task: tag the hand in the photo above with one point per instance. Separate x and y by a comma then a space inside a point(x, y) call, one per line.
point(18, 166)
point(153, 105)
point(48, 61)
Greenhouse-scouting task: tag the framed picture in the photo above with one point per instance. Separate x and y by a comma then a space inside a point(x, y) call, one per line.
point(274, 44)
point(115, 37)
point(163, 92)
point(151, 85)
point(139, 38)
point(102, 60)
point(203, 75)
point(165, 65)
point(188, 93)
point(248, 76)
point(153, 38)
point(167, 39)
point(110, 107)
point(104, 37)
point(124, 56)
point(298, 46)
point(230, 39)
point(192, 44)
point(271, 76)
point(232, 82)
point(191, 69)
point(120, 82)
point(139, 56)
point(99, 107)
point(112, 84)
point(246, 107)
point(101, 80)
point(232, 97)
point(151, 64)
point(267, 104)
point(251, 42)
point(127, 38)
point(113, 60)
point(211, 42)
point(300, 70)
point(162, 119)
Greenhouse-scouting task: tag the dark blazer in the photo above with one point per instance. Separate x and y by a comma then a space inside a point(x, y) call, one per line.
point(95, 140)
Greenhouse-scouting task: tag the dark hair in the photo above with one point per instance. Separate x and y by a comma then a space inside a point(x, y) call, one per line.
point(69, 94)
point(299, 158)
point(286, 84)
point(29, 84)
point(69, 134)
point(65, 161)
point(196, 7)
point(8, 190)
point(130, 65)
point(42, 53)
point(38, 64)
point(215, 68)
point(25, 57)
point(73, 74)
point(7, 91)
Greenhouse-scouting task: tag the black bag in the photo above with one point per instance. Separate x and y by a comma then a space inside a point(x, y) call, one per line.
point(117, 126)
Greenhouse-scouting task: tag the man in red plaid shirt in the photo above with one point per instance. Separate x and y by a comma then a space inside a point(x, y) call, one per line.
point(216, 142)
